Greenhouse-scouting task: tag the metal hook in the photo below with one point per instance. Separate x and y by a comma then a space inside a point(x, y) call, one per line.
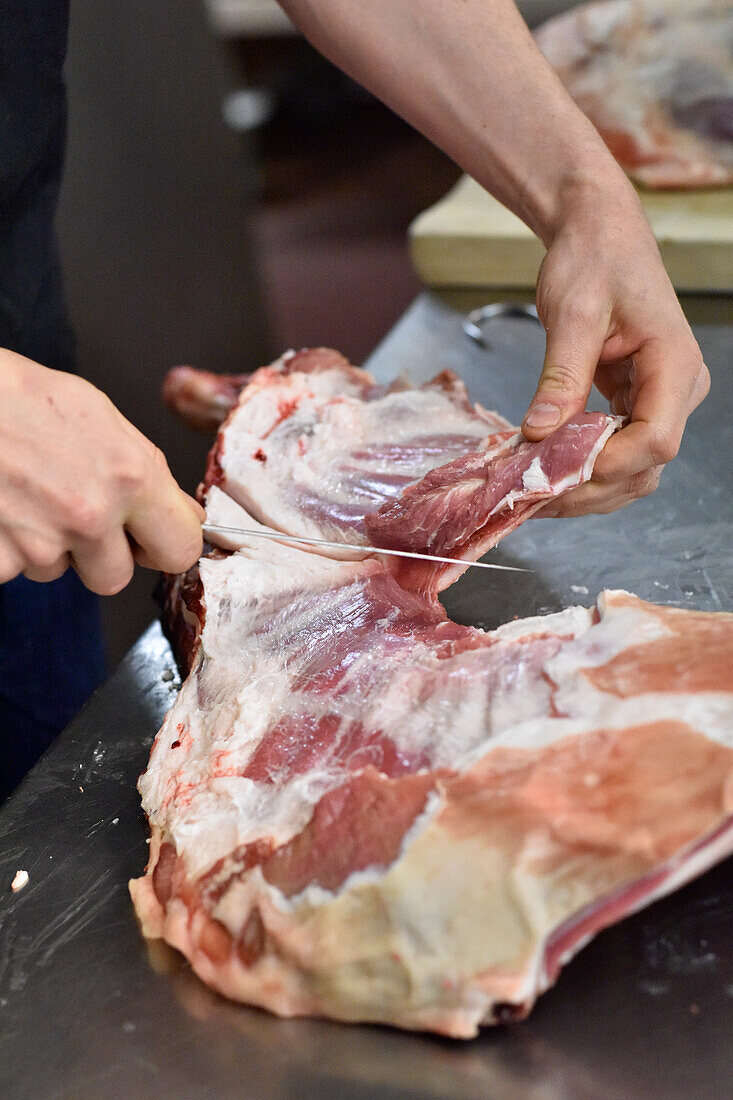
point(478, 317)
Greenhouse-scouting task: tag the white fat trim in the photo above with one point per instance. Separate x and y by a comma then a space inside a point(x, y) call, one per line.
point(571, 621)
point(534, 478)
point(223, 510)
point(236, 904)
point(268, 568)
point(614, 423)
point(607, 638)
point(536, 733)
point(710, 714)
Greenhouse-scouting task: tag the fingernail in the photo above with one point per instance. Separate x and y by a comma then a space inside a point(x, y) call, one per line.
point(542, 415)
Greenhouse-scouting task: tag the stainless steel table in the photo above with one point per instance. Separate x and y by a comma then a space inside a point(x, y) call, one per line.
point(646, 1011)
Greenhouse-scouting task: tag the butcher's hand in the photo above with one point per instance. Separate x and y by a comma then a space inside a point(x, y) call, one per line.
point(79, 485)
point(612, 318)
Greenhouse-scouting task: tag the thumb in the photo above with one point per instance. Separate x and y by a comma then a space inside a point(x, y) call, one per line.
point(571, 358)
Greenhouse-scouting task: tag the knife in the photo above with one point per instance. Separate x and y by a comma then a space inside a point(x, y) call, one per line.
point(278, 536)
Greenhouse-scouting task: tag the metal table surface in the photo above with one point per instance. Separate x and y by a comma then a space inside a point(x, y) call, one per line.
point(646, 1010)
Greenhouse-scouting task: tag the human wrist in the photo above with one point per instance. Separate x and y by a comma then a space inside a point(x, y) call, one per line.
point(593, 192)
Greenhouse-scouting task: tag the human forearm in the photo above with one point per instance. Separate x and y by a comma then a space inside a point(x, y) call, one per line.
point(468, 75)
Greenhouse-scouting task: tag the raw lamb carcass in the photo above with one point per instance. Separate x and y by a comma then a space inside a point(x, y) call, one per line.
point(656, 79)
point(362, 810)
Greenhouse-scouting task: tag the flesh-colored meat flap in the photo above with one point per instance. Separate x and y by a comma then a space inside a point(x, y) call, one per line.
point(326, 453)
point(465, 507)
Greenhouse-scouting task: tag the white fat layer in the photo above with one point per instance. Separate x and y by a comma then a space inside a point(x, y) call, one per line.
point(567, 624)
point(608, 638)
point(242, 895)
point(614, 424)
point(534, 478)
point(223, 511)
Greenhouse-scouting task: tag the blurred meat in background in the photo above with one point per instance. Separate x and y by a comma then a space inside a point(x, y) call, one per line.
point(656, 79)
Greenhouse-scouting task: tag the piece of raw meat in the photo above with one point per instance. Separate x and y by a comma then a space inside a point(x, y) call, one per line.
point(202, 399)
point(327, 453)
point(362, 810)
point(312, 452)
point(465, 507)
point(656, 79)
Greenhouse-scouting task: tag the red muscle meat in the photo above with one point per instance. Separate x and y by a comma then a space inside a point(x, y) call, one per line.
point(465, 507)
point(362, 810)
point(656, 79)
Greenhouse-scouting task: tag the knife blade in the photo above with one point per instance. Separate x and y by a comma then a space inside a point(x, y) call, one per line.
point(280, 536)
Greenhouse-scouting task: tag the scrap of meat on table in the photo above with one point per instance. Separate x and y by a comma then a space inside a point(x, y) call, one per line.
point(656, 79)
point(362, 810)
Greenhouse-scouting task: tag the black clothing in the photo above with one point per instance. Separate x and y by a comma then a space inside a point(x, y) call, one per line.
point(32, 133)
point(50, 638)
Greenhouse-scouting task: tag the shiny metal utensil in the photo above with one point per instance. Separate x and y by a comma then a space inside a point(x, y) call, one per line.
point(474, 323)
point(278, 536)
